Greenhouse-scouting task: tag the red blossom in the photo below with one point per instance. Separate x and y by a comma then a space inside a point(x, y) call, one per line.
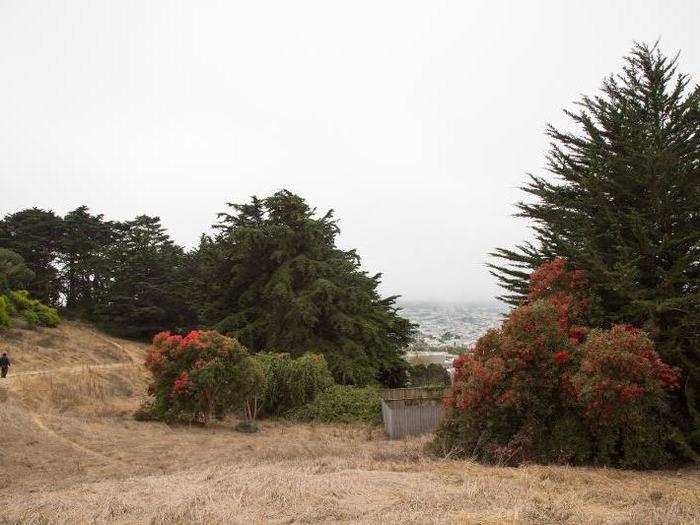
point(562, 357)
point(577, 334)
point(182, 384)
point(631, 392)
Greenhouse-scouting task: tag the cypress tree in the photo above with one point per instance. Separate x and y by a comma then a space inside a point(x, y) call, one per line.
point(622, 203)
point(146, 291)
point(85, 267)
point(274, 278)
point(35, 235)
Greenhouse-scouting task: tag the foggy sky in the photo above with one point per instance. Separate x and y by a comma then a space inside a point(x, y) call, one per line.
point(415, 121)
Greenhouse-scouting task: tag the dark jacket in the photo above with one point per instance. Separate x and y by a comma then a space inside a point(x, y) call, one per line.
point(4, 361)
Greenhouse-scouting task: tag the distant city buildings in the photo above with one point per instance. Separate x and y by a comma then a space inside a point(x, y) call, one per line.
point(456, 325)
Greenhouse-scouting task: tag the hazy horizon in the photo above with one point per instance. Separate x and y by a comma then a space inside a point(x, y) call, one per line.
point(415, 122)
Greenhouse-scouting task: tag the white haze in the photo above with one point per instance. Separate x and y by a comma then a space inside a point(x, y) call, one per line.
point(415, 121)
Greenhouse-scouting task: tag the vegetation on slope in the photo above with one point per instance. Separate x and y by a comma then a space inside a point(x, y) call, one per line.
point(624, 206)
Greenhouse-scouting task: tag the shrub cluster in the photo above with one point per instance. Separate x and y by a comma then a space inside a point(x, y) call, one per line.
point(206, 374)
point(291, 383)
point(4, 313)
point(33, 311)
point(343, 404)
point(427, 374)
point(546, 388)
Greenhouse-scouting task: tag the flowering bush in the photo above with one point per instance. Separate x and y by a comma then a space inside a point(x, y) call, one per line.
point(545, 387)
point(201, 375)
point(621, 387)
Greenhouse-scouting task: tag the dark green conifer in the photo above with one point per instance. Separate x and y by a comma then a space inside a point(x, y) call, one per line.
point(622, 202)
point(274, 277)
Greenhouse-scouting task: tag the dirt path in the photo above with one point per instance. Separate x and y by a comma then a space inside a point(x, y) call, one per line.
point(68, 369)
point(133, 360)
point(129, 353)
point(37, 419)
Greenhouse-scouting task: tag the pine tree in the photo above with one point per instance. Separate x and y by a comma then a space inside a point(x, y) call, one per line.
point(85, 267)
point(146, 293)
point(35, 235)
point(624, 206)
point(14, 273)
point(274, 278)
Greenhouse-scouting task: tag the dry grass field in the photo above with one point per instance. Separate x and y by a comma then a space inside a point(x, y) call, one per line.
point(71, 453)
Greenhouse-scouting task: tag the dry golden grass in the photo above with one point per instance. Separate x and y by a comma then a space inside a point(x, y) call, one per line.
point(72, 453)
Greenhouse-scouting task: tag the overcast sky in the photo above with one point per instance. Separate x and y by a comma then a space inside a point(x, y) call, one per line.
point(415, 121)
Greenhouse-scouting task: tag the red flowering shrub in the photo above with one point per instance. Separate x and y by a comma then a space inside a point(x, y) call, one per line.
point(545, 387)
point(508, 391)
point(621, 387)
point(201, 375)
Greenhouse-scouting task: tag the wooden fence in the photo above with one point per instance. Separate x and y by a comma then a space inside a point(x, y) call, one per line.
point(411, 411)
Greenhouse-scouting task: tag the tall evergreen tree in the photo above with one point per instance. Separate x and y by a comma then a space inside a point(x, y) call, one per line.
point(85, 267)
point(35, 235)
point(624, 206)
point(275, 279)
point(146, 291)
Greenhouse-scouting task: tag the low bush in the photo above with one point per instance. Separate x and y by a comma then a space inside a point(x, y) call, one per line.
point(247, 426)
point(291, 383)
point(4, 313)
point(31, 318)
point(621, 388)
point(33, 311)
point(47, 316)
point(343, 404)
point(200, 376)
point(546, 388)
point(430, 374)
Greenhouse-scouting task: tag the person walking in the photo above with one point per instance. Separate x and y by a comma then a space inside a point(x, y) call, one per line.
point(4, 364)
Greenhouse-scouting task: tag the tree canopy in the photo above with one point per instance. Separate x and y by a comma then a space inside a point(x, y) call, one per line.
point(622, 203)
point(274, 276)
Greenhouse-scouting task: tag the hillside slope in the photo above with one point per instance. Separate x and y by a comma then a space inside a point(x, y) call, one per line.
point(71, 452)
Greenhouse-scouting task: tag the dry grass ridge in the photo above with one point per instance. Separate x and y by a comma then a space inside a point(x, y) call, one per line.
point(71, 453)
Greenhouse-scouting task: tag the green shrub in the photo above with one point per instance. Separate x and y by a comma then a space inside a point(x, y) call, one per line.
point(33, 311)
point(430, 374)
point(292, 383)
point(343, 404)
point(31, 318)
point(47, 316)
point(20, 300)
point(4, 313)
point(247, 426)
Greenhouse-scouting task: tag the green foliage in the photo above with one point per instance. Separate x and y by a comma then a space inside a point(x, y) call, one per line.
point(14, 272)
point(546, 390)
point(343, 404)
point(247, 426)
point(4, 313)
point(145, 292)
point(31, 318)
point(292, 383)
point(86, 262)
point(430, 374)
point(36, 236)
point(623, 205)
point(200, 376)
point(274, 277)
point(32, 310)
